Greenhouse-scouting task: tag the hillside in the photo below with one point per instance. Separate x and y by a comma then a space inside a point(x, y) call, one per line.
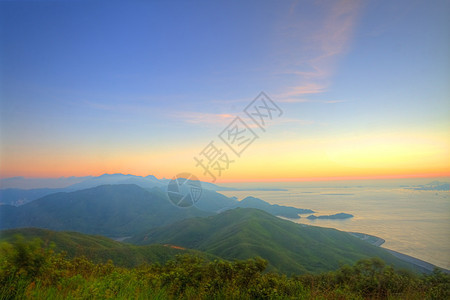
point(210, 200)
point(244, 233)
point(121, 210)
point(30, 271)
point(19, 197)
point(100, 249)
point(110, 210)
point(274, 209)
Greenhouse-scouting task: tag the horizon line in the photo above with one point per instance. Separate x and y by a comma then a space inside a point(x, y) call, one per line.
point(288, 179)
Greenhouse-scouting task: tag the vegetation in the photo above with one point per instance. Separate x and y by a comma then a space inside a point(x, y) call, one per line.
point(289, 248)
point(99, 249)
point(29, 270)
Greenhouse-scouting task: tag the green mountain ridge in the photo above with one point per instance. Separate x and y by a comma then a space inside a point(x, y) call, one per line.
point(100, 249)
point(244, 233)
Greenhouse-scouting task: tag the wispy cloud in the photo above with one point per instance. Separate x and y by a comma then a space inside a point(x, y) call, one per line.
point(322, 42)
point(309, 88)
point(203, 118)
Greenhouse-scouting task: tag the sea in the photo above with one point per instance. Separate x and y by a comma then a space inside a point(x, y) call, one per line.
point(411, 221)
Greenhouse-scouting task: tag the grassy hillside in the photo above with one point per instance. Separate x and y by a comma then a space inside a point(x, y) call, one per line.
point(30, 271)
point(99, 249)
point(290, 248)
point(110, 210)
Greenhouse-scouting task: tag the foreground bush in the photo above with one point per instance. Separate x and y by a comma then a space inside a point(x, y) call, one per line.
point(27, 270)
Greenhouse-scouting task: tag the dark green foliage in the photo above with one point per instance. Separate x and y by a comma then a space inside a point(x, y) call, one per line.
point(288, 247)
point(30, 271)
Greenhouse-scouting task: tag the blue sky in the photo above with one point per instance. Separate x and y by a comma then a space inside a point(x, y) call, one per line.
point(139, 87)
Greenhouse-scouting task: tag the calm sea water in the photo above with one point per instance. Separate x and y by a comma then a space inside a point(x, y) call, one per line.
point(412, 222)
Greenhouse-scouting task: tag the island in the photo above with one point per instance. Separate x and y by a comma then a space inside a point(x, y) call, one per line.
point(432, 186)
point(339, 216)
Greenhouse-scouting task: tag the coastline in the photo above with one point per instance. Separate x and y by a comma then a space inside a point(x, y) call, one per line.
point(377, 241)
point(424, 266)
point(415, 261)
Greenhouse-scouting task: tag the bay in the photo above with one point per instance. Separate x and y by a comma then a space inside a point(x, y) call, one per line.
point(413, 222)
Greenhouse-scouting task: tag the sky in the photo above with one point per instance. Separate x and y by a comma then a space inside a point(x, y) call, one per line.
point(144, 87)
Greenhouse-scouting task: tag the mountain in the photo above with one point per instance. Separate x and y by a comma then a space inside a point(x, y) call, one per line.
point(100, 249)
point(118, 178)
point(18, 197)
point(22, 196)
point(215, 202)
point(120, 210)
point(20, 182)
point(244, 233)
point(15, 192)
point(110, 210)
point(210, 200)
point(277, 210)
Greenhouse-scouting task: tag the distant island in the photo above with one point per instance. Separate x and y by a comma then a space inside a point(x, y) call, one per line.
point(338, 216)
point(432, 186)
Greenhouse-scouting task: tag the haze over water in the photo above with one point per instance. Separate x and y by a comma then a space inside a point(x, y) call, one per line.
point(412, 222)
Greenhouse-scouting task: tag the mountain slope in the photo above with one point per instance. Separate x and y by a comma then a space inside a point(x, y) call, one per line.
point(216, 202)
point(274, 209)
point(105, 179)
point(110, 210)
point(100, 249)
point(42, 212)
point(210, 200)
point(289, 247)
point(18, 197)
